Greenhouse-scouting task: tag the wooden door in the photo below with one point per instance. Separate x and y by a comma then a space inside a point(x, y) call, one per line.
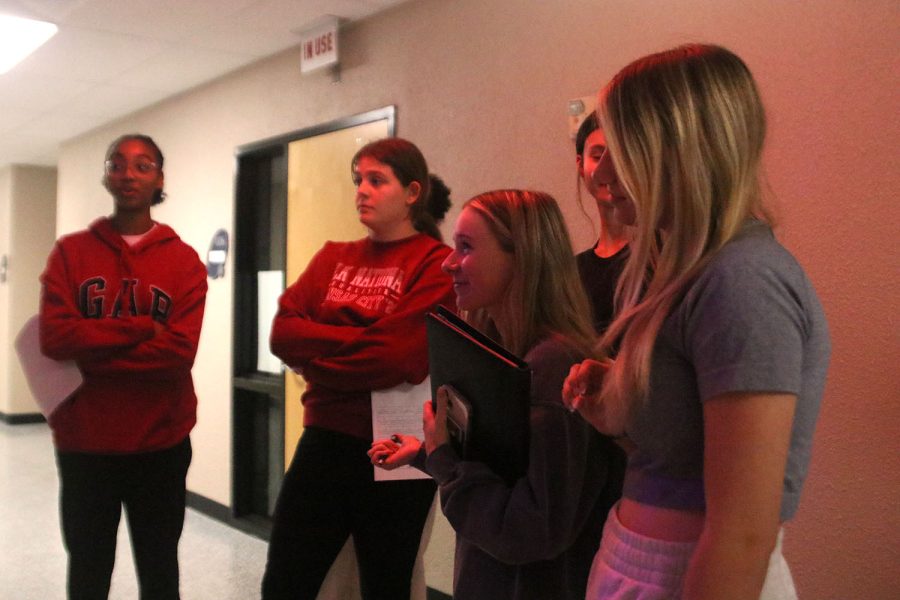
point(320, 207)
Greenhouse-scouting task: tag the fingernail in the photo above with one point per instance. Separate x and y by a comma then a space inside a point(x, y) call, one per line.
point(396, 439)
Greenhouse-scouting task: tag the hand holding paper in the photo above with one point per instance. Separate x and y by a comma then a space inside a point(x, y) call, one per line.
point(396, 414)
point(396, 451)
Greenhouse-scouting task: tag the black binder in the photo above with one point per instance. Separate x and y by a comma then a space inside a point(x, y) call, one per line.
point(497, 385)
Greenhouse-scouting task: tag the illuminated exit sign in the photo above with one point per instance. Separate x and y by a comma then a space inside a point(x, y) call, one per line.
point(319, 47)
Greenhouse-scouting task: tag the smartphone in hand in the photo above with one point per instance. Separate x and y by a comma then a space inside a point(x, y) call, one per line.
point(459, 415)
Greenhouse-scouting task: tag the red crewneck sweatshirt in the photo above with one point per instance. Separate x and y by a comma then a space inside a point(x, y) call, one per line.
point(355, 322)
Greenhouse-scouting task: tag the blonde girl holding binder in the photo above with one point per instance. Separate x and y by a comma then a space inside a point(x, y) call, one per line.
point(516, 281)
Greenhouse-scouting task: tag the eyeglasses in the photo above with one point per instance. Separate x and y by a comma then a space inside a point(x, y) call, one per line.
point(118, 167)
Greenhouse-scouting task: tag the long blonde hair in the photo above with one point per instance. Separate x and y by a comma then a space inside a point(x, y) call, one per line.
point(545, 294)
point(685, 129)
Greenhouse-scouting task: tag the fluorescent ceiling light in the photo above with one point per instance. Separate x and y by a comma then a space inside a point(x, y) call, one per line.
point(20, 37)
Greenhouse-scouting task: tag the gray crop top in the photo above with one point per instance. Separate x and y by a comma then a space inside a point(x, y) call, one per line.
point(751, 322)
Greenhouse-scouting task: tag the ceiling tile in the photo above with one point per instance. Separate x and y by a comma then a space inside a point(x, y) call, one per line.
point(158, 19)
point(54, 11)
point(88, 55)
point(181, 68)
point(11, 118)
point(109, 102)
point(58, 124)
point(114, 57)
point(20, 89)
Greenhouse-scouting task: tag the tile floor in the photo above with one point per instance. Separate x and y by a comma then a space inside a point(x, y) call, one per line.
point(217, 561)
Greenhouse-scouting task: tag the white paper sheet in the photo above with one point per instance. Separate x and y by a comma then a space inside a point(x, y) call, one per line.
point(269, 285)
point(399, 410)
point(50, 381)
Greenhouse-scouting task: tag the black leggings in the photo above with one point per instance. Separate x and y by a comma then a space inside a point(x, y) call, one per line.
point(329, 494)
point(93, 488)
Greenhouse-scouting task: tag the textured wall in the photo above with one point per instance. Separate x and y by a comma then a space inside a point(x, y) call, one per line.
point(482, 88)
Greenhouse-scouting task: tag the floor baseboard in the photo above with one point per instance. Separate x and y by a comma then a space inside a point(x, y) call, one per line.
point(255, 526)
point(433, 594)
point(22, 418)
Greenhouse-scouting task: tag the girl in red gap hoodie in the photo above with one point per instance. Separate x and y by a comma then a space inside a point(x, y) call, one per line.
point(124, 299)
point(355, 322)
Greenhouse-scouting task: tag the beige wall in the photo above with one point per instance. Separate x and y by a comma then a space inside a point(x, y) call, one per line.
point(482, 88)
point(27, 208)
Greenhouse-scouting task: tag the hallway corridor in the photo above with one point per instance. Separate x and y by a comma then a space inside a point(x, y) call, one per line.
point(217, 561)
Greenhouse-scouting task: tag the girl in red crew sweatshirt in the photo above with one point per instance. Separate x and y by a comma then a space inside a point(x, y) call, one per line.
point(355, 322)
point(124, 299)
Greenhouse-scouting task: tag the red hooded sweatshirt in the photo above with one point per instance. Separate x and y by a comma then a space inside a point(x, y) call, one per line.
point(99, 301)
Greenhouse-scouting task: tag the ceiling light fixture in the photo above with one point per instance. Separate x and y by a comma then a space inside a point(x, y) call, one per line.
point(20, 37)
